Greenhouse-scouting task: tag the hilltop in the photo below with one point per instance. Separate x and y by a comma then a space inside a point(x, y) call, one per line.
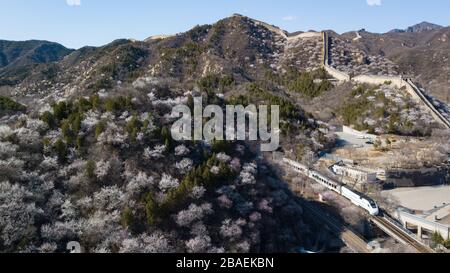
point(421, 27)
point(415, 53)
point(19, 59)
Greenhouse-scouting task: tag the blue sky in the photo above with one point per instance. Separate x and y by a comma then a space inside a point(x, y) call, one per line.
point(76, 23)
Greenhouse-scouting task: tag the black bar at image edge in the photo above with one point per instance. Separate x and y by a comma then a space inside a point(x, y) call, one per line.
point(216, 262)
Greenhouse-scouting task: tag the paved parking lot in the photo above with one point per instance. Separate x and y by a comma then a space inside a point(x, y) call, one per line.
point(421, 198)
point(350, 140)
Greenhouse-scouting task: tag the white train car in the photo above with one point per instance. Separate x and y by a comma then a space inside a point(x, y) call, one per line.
point(360, 200)
point(297, 166)
point(356, 198)
point(325, 181)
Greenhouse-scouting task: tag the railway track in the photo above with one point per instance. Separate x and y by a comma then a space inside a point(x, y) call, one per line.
point(399, 234)
point(350, 238)
point(357, 243)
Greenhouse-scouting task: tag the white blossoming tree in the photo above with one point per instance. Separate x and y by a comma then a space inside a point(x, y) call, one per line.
point(17, 214)
point(194, 213)
point(102, 169)
point(185, 165)
point(181, 150)
point(157, 242)
point(156, 153)
point(167, 182)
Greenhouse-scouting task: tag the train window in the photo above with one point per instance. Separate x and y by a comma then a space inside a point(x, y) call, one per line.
point(372, 204)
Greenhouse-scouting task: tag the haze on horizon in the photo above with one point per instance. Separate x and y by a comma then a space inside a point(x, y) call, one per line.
point(76, 23)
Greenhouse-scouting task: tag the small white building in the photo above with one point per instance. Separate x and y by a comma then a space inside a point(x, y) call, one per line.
point(354, 174)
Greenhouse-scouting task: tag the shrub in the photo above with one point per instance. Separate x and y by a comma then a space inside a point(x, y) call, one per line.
point(304, 82)
point(127, 218)
point(133, 127)
point(151, 209)
point(61, 150)
point(90, 169)
point(60, 111)
point(7, 105)
point(49, 119)
point(213, 82)
point(99, 128)
point(117, 105)
point(437, 238)
point(102, 84)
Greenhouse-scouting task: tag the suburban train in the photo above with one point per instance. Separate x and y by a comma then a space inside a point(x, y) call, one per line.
point(356, 198)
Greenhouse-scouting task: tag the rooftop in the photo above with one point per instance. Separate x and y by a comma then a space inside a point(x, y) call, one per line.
point(423, 199)
point(440, 215)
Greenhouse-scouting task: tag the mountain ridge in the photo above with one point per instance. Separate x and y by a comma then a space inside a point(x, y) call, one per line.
point(417, 28)
point(236, 45)
point(30, 51)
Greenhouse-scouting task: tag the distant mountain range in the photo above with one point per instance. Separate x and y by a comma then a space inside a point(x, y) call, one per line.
point(17, 59)
point(30, 52)
point(222, 47)
point(422, 52)
point(421, 27)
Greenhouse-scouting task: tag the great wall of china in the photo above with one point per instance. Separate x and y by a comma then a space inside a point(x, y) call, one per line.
point(407, 84)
